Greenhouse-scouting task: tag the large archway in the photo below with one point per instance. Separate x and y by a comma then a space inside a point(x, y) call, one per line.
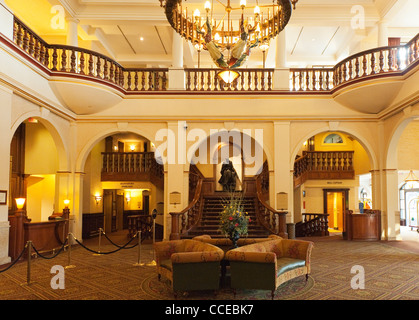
point(402, 195)
point(332, 174)
point(121, 180)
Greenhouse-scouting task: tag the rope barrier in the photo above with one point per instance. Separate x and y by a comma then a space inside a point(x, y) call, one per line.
point(58, 252)
point(14, 262)
point(125, 246)
point(116, 245)
point(109, 252)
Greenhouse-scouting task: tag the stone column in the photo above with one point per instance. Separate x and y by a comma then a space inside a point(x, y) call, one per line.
point(72, 35)
point(6, 20)
point(176, 72)
point(5, 138)
point(281, 74)
point(390, 214)
point(282, 167)
point(382, 33)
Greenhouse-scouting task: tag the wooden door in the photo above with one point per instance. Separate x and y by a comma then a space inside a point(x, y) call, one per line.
point(336, 204)
point(120, 211)
point(108, 209)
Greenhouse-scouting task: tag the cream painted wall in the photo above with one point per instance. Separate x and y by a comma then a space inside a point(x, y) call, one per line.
point(408, 148)
point(39, 144)
point(40, 197)
point(92, 184)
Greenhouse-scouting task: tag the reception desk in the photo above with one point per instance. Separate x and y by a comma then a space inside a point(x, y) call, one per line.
point(363, 226)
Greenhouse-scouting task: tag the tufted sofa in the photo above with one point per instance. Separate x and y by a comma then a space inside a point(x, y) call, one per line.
point(226, 244)
point(189, 264)
point(266, 265)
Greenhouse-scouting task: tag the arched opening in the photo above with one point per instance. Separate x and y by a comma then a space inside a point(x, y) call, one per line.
point(226, 162)
point(34, 166)
point(123, 184)
point(403, 155)
point(331, 176)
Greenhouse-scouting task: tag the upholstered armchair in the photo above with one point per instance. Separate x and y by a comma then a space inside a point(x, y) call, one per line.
point(266, 265)
point(189, 264)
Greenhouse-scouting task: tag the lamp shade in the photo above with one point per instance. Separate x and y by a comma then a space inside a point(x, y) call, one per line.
point(20, 202)
point(228, 76)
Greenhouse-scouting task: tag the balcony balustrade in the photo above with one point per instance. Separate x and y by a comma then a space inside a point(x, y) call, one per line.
point(86, 64)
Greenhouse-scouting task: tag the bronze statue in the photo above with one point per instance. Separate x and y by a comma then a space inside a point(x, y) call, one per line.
point(228, 176)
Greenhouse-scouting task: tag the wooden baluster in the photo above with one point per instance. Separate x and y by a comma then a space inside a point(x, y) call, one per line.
point(350, 166)
point(242, 87)
point(308, 86)
point(364, 65)
point(334, 162)
point(350, 69)
point(54, 59)
point(117, 74)
point(19, 35)
point(249, 81)
point(164, 81)
point(262, 81)
point(129, 81)
point(356, 67)
point(381, 63)
point(216, 82)
point(98, 67)
point(42, 54)
point(208, 80)
point(150, 81)
point(37, 45)
point(195, 80)
point(188, 80)
point(112, 73)
point(25, 40)
point(373, 63)
point(142, 80)
point(269, 80)
point(90, 64)
point(82, 66)
point(105, 69)
point(157, 80)
point(46, 60)
point(73, 61)
point(63, 60)
point(136, 81)
point(202, 81)
point(390, 60)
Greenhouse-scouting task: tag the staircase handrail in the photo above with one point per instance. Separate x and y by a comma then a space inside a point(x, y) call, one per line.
point(317, 226)
point(273, 220)
point(191, 212)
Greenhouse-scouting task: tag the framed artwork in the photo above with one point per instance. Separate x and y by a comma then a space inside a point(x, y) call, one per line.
point(3, 197)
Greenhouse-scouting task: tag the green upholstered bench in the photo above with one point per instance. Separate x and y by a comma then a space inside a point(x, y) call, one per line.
point(189, 264)
point(266, 265)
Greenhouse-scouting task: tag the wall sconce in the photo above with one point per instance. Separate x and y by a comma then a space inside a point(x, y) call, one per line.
point(66, 203)
point(146, 193)
point(128, 197)
point(20, 202)
point(98, 197)
point(132, 147)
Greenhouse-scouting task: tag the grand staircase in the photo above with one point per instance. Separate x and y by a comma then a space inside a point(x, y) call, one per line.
point(209, 222)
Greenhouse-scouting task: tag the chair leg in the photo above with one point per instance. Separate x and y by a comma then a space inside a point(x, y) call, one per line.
point(306, 277)
point(273, 294)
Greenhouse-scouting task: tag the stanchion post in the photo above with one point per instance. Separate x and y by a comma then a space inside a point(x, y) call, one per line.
point(154, 215)
point(28, 274)
point(69, 265)
point(139, 250)
point(100, 240)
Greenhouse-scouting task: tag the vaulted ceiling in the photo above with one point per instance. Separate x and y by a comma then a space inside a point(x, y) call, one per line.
point(136, 33)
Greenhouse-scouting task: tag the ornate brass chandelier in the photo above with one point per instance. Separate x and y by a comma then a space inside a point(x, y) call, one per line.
point(230, 39)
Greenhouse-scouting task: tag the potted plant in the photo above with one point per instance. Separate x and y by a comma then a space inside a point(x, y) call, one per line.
point(234, 220)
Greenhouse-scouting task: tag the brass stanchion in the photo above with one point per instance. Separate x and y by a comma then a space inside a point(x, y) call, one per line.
point(154, 215)
point(69, 265)
point(100, 240)
point(139, 250)
point(29, 263)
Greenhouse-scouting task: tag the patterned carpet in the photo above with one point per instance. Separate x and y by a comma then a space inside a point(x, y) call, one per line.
point(391, 273)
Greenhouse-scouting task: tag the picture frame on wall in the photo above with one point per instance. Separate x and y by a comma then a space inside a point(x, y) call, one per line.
point(3, 197)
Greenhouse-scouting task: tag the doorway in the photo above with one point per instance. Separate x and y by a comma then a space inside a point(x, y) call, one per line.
point(336, 204)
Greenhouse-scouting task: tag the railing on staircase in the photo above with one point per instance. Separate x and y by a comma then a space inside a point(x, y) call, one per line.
point(273, 220)
point(184, 220)
point(313, 224)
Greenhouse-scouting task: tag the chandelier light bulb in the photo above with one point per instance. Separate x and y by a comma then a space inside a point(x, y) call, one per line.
point(257, 10)
point(197, 13)
point(242, 3)
point(207, 6)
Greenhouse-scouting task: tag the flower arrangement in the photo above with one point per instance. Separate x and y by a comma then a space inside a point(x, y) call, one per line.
point(234, 220)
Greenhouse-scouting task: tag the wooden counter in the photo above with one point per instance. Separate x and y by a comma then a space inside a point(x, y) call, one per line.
point(364, 226)
point(46, 235)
